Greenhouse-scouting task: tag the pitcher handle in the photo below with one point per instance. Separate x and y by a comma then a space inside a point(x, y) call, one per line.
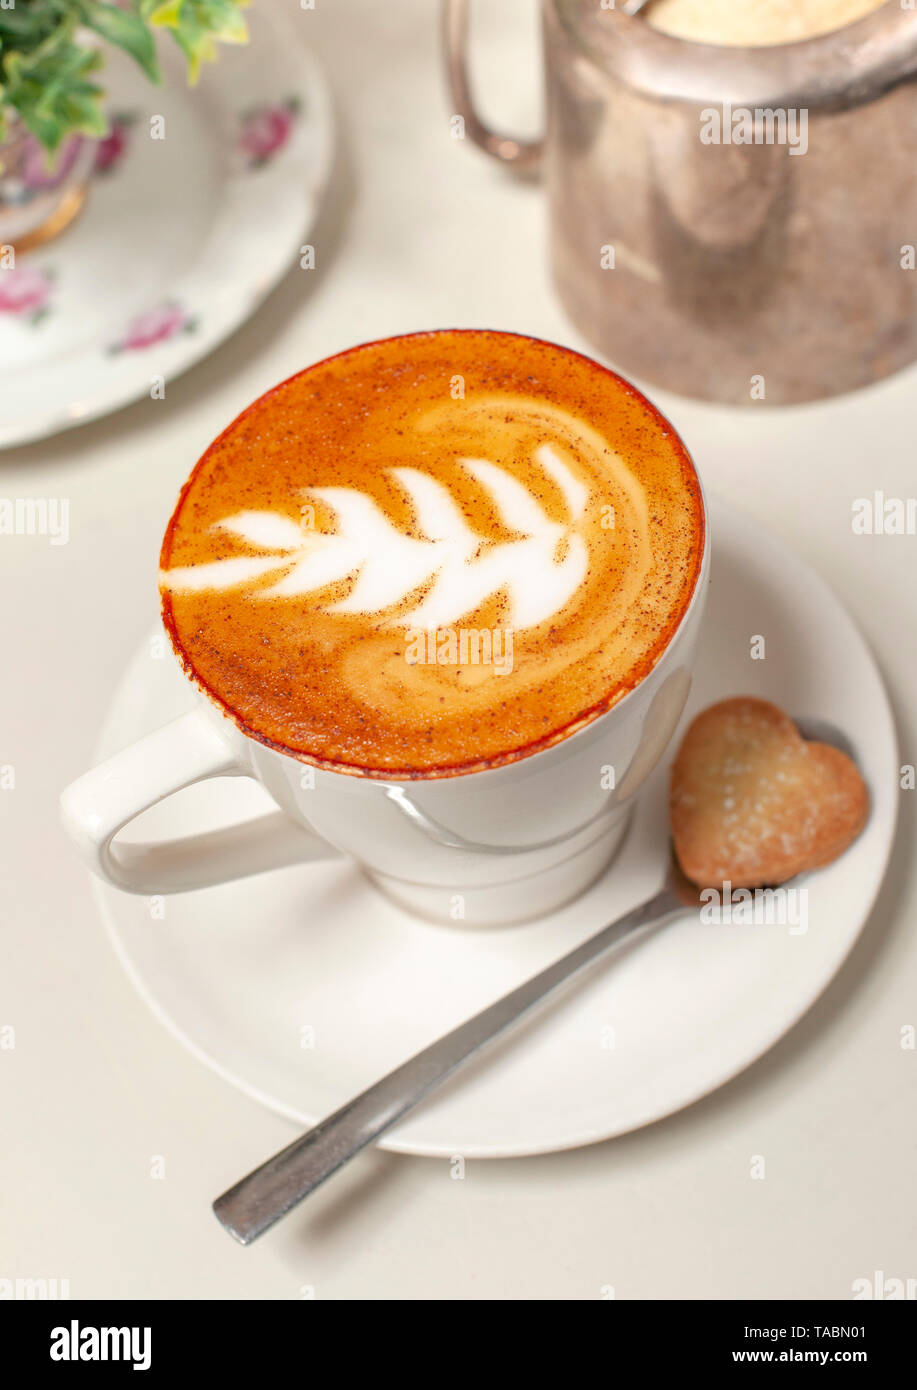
point(523, 155)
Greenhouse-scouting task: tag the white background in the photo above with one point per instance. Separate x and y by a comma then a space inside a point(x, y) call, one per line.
point(421, 231)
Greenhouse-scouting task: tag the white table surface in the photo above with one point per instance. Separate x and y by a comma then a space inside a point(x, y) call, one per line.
point(421, 231)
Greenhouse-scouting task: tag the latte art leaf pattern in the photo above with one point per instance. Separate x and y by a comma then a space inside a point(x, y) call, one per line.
point(455, 568)
point(367, 502)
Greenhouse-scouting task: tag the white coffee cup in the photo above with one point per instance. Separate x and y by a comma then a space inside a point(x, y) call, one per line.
point(501, 844)
point(494, 846)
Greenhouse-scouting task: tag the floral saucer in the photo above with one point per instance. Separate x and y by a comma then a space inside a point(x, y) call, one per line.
point(200, 200)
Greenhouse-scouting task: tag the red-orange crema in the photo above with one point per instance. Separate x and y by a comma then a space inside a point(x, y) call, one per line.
point(432, 554)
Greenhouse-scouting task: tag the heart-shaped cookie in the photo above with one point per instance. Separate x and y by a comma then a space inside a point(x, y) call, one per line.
point(752, 802)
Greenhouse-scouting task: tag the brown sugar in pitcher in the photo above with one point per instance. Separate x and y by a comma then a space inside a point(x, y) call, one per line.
point(730, 223)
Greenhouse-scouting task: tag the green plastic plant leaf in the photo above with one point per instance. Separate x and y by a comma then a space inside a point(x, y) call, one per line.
point(46, 61)
point(127, 30)
point(198, 25)
point(51, 91)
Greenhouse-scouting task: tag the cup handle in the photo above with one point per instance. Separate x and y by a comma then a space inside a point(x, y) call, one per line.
point(523, 155)
point(101, 803)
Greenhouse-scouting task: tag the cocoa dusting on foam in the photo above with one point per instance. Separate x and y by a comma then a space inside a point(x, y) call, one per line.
point(432, 553)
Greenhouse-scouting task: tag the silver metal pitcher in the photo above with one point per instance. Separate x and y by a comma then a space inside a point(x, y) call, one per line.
point(728, 271)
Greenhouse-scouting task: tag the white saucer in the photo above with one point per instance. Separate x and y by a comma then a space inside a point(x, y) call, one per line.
point(241, 974)
point(181, 238)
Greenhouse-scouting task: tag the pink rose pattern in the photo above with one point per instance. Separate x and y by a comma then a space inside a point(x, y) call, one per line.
point(25, 292)
point(34, 174)
point(114, 146)
point(265, 130)
point(155, 326)
point(34, 171)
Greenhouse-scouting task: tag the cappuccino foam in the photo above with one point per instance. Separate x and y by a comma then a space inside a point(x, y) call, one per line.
point(432, 554)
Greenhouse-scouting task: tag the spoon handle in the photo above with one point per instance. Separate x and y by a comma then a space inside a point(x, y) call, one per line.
point(252, 1206)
